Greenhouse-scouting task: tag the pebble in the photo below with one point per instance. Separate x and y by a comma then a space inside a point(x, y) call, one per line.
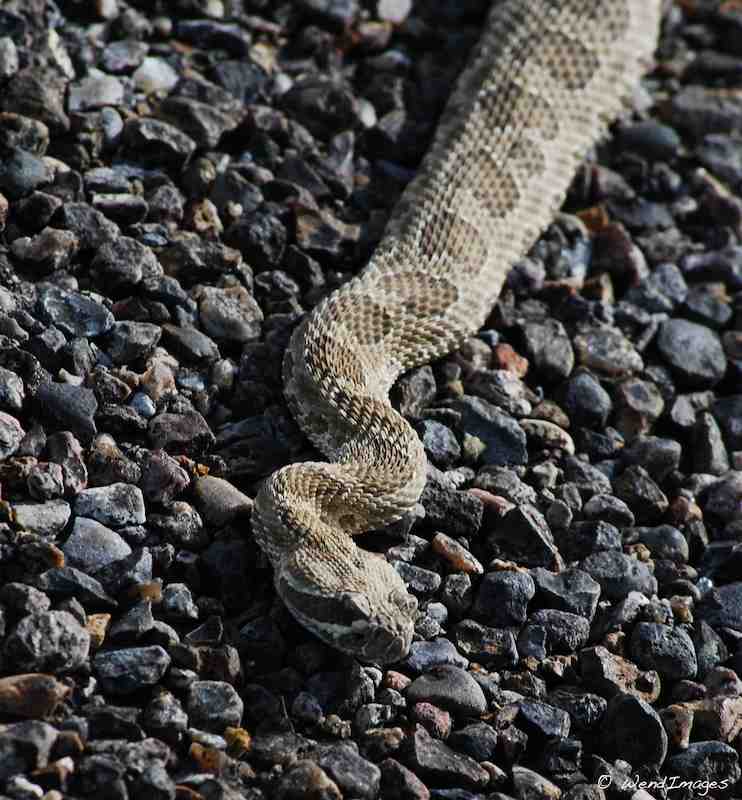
point(693, 352)
point(92, 545)
point(715, 761)
point(130, 669)
point(667, 650)
point(31, 695)
point(75, 314)
point(503, 440)
point(572, 590)
point(449, 687)
point(549, 349)
point(632, 730)
point(494, 647)
point(21, 173)
point(503, 597)
point(11, 435)
point(607, 351)
point(117, 505)
point(618, 574)
point(153, 74)
point(213, 706)
point(48, 641)
point(724, 496)
point(614, 675)
point(458, 557)
point(722, 608)
point(436, 763)
point(584, 399)
point(637, 489)
point(27, 747)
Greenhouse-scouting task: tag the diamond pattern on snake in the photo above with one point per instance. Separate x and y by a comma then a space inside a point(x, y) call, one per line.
point(541, 85)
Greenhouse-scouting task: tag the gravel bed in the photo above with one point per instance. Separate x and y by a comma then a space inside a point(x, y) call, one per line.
point(179, 183)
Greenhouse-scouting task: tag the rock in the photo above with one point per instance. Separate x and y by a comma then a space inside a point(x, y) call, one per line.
point(451, 688)
point(52, 641)
point(585, 709)
point(503, 597)
point(439, 765)
point(477, 740)
point(632, 730)
point(698, 110)
point(400, 783)
point(11, 435)
point(353, 774)
point(306, 779)
point(549, 349)
point(549, 631)
point(658, 456)
point(664, 541)
point(214, 706)
point(586, 402)
point(524, 536)
point(117, 505)
point(709, 453)
point(49, 250)
point(425, 656)
point(528, 783)
point(440, 443)
point(25, 747)
point(668, 651)
point(706, 761)
point(572, 590)
point(493, 647)
point(92, 546)
point(640, 493)
point(613, 675)
point(651, 139)
point(189, 344)
point(181, 433)
point(30, 695)
point(75, 314)
point(722, 608)
point(130, 669)
point(503, 440)
point(157, 143)
point(724, 497)
point(218, 501)
point(693, 352)
point(618, 574)
point(610, 509)
point(608, 351)
point(21, 173)
point(230, 314)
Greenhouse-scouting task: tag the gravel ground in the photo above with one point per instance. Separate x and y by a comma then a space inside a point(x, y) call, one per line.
point(179, 182)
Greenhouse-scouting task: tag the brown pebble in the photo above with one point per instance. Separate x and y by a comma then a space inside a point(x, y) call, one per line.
point(239, 741)
point(97, 627)
point(208, 758)
point(506, 358)
point(456, 555)
point(395, 680)
point(31, 695)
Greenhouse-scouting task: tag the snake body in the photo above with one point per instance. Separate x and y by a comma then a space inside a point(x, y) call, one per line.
point(543, 83)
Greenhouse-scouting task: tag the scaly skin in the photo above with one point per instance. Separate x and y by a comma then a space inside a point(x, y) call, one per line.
point(541, 86)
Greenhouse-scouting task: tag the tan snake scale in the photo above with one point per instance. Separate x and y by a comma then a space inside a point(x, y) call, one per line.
point(543, 83)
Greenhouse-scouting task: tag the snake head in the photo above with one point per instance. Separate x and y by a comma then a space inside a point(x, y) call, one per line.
point(374, 625)
point(381, 628)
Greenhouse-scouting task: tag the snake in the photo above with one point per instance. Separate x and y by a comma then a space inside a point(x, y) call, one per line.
point(541, 87)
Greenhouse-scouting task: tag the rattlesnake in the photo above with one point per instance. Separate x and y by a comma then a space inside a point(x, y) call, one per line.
point(543, 83)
